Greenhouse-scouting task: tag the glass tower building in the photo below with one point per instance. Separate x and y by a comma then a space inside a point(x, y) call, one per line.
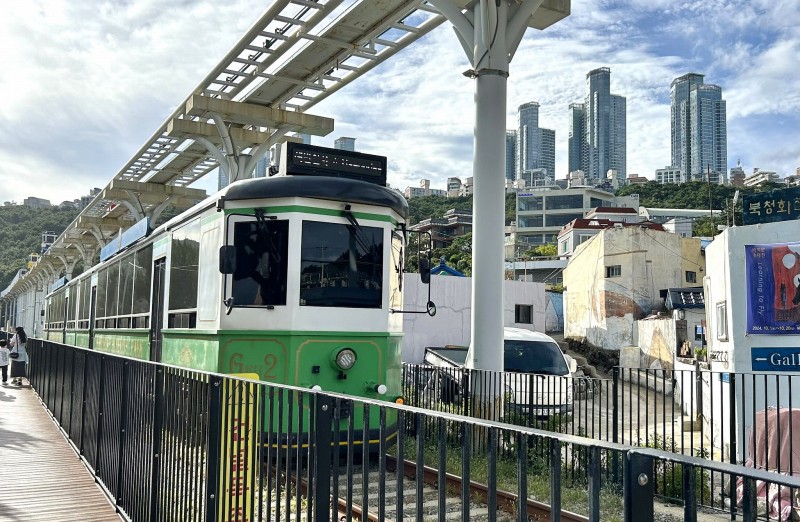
point(699, 130)
point(345, 143)
point(511, 155)
point(535, 146)
point(598, 129)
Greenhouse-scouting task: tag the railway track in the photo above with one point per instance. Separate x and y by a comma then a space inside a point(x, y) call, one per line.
point(433, 508)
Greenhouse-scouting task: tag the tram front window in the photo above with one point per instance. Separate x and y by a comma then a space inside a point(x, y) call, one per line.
point(341, 265)
point(261, 263)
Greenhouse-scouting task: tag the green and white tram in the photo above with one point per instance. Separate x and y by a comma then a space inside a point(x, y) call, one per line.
point(291, 279)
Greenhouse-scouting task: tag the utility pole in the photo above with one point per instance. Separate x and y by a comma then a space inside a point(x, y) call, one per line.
point(710, 203)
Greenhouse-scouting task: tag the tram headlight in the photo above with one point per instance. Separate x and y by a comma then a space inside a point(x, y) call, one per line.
point(345, 359)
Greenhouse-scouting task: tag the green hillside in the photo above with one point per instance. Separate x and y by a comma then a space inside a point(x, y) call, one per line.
point(21, 234)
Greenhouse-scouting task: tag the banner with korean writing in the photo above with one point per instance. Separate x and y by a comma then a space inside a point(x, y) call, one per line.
point(773, 288)
point(775, 205)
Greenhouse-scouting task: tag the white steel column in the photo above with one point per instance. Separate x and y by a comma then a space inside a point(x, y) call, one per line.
point(490, 35)
point(486, 347)
point(482, 34)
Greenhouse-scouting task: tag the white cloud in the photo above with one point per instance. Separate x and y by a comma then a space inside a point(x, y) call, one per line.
point(84, 84)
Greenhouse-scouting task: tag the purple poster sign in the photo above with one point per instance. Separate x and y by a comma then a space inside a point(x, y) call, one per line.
point(773, 288)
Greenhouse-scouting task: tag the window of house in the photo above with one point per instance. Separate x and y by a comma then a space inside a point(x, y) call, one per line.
point(722, 321)
point(562, 202)
point(691, 277)
point(614, 271)
point(523, 314)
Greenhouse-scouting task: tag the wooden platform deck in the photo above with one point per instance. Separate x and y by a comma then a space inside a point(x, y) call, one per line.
point(41, 476)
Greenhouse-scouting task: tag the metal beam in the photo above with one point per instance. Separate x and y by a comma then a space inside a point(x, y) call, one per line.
point(258, 115)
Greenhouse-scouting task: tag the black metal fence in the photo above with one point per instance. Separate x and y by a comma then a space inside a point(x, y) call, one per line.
point(169, 444)
point(742, 418)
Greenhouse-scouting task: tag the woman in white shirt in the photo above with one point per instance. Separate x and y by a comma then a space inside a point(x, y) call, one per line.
point(18, 364)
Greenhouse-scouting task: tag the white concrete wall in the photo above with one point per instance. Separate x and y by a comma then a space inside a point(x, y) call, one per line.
point(685, 393)
point(603, 309)
point(657, 342)
point(726, 282)
point(453, 298)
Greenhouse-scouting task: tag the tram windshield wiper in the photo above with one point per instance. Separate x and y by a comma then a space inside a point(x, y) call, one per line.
point(263, 233)
point(355, 230)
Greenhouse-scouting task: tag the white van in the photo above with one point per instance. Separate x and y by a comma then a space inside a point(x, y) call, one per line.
point(537, 375)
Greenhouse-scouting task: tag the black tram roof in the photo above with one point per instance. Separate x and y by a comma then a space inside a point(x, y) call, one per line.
point(318, 187)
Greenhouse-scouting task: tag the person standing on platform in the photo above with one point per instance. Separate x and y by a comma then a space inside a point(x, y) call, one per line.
point(4, 359)
point(19, 356)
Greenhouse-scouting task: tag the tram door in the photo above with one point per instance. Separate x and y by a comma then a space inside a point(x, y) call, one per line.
point(92, 315)
point(157, 309)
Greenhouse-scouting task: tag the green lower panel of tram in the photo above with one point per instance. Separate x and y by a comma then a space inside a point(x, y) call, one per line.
point(302, 359)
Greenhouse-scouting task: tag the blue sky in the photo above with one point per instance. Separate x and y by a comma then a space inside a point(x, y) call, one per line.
point(84, 84)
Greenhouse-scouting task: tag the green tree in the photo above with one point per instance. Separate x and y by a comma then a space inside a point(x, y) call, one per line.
point(427, 207)
point(547, 250)
point(457, 254)
point(21, 235)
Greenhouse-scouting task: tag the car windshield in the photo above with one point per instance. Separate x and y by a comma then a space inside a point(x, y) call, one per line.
point(534, 357)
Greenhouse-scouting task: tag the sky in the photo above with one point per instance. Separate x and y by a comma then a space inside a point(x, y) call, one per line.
point(83, 85)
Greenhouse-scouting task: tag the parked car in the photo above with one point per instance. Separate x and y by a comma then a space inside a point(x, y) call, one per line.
point(537, 375)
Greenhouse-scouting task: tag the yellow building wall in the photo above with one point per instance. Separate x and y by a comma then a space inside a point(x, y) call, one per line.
point(603, 309)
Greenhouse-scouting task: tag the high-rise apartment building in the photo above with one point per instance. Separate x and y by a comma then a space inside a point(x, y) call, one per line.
point(737, 175)
point(699, 127)
point(577, 149)
point(598, 129)
point(669, 174)
point(345, 143)
point(511, 155)
point(536, 147)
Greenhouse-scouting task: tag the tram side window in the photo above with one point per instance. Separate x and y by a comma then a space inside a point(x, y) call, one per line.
point(58, 310)
point(183, 276)
point(142, 270)
point(125, 290)
point(261, 263)
point(71, 307)
point(112, 295)
point(59, 313)
point(341, 265)
point(86, 293)
point(102, 285)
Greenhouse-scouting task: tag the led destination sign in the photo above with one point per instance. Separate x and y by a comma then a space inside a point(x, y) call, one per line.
point(310, 160)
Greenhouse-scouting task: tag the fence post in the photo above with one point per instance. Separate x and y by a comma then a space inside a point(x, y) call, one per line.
point(733, 435)
point(555, 480)
point(123, 424)
point(100, 417)
point(158, 422)
point(637, 489)
point(615, 421)
point(322, 459)
point(214, 439)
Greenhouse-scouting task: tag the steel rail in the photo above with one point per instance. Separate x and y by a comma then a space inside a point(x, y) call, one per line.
point(506, 501)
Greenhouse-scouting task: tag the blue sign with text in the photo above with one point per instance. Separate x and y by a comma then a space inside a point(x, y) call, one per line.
point(775, 359)
point(775, 205)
